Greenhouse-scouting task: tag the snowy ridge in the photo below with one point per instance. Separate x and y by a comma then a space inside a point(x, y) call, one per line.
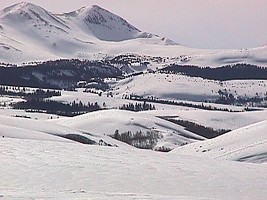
point(245, 144)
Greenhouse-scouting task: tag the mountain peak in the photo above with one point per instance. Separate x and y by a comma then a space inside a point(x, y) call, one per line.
point(100, 16)
point(22, 11)
point(103, 24)
point(97, 7)
point(28, 13)
point(18, 6)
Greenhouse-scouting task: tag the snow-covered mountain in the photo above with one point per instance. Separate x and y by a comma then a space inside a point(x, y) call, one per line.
point(27, 28)
point(30, 33)
point(102, 24)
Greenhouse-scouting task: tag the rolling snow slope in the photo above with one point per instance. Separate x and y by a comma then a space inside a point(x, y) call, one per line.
point(96, 126)
point(16, 127)
point(30, 33)
point(55, 170)
point(245, 144)
point(208, 118)
point(106, 122)
point(214, 119)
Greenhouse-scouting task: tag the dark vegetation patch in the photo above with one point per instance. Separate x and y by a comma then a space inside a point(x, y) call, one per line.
point(22, 92)
point(79, 138)
point(204, 131)
point(228, 98)
point(224, 73)
point(139, 139)
point(57, 108)
point(137, 107)
point(57, 74)
point(36, 101)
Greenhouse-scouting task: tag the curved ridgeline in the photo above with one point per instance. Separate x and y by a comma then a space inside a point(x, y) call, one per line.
point(224, 73)
point(56, 74)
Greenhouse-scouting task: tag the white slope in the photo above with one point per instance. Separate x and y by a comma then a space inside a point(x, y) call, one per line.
point(30, 33)
point(23, 133)
point(181, 87)
point(245, 144)
point(106, 122)
point(214, 119)
point(55, 170)
point(23, 128)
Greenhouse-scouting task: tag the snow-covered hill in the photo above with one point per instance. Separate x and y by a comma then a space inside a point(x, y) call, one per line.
point(181, 87)
point(30, 33)
point(97, 126)
point(106, 122)
point(22, 128)
point(245, 144)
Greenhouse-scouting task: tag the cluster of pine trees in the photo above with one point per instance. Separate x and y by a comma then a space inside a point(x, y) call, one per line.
point(137, 106)
point(139, 139)
point(22, 92)
point(55, 107)
point(204, 131)
point(229, 99)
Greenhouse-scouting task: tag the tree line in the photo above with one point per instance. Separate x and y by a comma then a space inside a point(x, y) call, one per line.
point(171, 102)
point(204, 131)
point(22, 92)
point(224, 73)
point(55, 107)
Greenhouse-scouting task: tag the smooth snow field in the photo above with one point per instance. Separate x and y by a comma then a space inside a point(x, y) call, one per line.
point(33, 169)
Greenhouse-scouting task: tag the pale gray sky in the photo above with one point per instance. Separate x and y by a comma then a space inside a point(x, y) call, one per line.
point(193, 23)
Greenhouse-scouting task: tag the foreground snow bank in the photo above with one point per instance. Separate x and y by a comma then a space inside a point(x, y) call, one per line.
point(55, 170)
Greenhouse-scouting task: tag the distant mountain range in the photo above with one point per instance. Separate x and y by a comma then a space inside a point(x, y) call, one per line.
point(31, 33)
